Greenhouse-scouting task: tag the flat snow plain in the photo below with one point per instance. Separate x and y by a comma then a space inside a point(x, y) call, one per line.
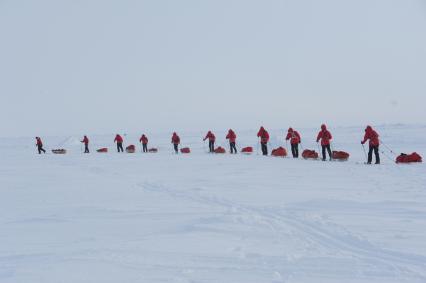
point(212, 218)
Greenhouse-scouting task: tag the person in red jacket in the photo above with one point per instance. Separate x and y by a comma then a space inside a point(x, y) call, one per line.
point(144, 141)
point(232, 137)
point(325, 136)
point(264, 138)
point(175, 142)
point(86, 144)
point(295, 139)
point(374, 143)
point(212, 138)
point(39, 145)
point(119, 140)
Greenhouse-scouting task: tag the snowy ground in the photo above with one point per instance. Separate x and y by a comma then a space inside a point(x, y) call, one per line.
point(212, 218)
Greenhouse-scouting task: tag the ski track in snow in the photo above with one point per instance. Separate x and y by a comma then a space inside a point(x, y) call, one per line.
point(204, 218)
point(328, 236)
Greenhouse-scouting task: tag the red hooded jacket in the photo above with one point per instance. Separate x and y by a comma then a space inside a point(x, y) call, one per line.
point(143, 139)
point(39, 142)
point(231, 136)
point(85, 140)
point(324, 135)
point(371, 135)
point(263, 135)
point(175, 139)
point(210, 136)
point(293, 136)
point(118, 139)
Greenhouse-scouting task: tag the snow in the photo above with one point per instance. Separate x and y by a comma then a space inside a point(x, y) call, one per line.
point(212, 218)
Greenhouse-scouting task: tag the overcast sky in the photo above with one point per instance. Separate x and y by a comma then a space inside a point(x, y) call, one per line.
point(129, 66)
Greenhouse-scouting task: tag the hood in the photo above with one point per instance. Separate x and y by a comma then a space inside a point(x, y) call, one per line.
point(368, 129)
point(323, 127)
point(290, 130)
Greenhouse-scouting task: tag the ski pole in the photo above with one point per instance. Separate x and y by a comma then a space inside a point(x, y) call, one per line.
point(365, 153)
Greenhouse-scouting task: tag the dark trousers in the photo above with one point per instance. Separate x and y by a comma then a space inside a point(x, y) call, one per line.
point(211, 146)
point(40, 149)
point(264, 148)
point(376, 153)
point(145, 147)
point(120, 147)
point(295, 150)
point(86, 148)
point(324, 148)
point(232, 147)
point(175, 146)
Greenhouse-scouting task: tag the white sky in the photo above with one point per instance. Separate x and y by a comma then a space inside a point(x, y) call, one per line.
point(115, 66)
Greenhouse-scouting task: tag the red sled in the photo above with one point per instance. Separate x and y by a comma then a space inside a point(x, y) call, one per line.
point(310, 154)
point(131, 149)
point(153, 150)
point(247, 150)
point(102, 150)
point(409, 158)
point(340, 155)
point(59, 151)
point(220, 150)
point(185, 150)
point(279, 152)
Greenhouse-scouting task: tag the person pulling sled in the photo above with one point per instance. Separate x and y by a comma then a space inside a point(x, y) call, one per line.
point(39, 145)
point(144, 141)
point(85, 141)
point(264, 138)
point(232, 137)
point(175, 142)
point(374, 143)
point(119, 140)
point(295, 140)
point(325, 136)
point(212, 138)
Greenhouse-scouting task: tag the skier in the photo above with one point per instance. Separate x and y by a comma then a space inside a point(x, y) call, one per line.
point(144, 141)
point(86, 144)
point(119, 140)
point(231, 136)
point(264, 138)
point(325, 136)
point(39, 145)
point(295, 139)
point(175, 141)
point(372, 135)
point(212, 139)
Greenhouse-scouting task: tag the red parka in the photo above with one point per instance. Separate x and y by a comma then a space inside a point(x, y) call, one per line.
point(118, 139)
point(85, 140)
point(143, 139)
point(175, 139)
point(210, 136)
point(371, 135)
point(293, 136)
point(39, 142)
point(231, 136)
point(324, 135)
point(263, 135)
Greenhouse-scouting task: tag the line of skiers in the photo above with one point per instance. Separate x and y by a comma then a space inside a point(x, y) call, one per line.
point(324, 136)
